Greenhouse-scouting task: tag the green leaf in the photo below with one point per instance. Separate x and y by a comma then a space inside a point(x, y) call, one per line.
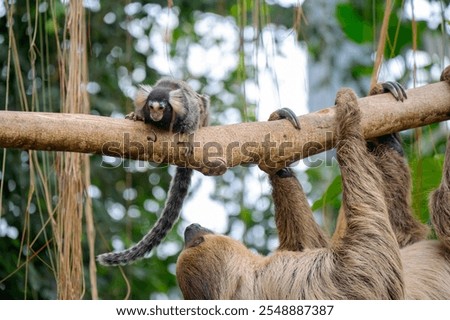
point(400, 35)
point(330, 196)
point(360, 71)
point(353, 24)
point(426, 173)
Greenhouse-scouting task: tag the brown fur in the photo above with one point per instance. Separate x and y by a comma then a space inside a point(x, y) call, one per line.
point(427, 263)
point(396, 187)
point(294, 216)
point(440, 199)
point(307, 265)
point(351, 268)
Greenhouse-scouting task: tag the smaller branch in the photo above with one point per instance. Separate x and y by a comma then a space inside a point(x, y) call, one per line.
point(273, 144)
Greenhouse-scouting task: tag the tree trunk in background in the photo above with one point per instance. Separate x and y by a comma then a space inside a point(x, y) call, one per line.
point(73, 172)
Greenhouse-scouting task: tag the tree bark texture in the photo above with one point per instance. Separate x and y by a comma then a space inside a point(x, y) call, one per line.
point(272, 144)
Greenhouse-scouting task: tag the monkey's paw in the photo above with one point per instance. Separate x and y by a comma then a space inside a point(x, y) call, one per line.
point(134, 116)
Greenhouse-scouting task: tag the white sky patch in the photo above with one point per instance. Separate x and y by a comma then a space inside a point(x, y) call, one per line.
point(2, 9)
point(8, 231)
point(93, 5)
point(281, 82)
point(425, 11)
point(392, 69)
point(282, 77)
point(199, 208)
point(132, 8)
point(168, 19)
point(286, 3)
point(422, 9)
point(418, 58)
point(215, 57)
point(254, 186)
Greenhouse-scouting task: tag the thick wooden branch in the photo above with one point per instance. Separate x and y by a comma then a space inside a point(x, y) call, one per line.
point(273, 143)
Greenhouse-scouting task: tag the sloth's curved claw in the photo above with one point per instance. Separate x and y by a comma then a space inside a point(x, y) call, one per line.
point(398, 92)
point(396, 89)
point(285, 113)
point(285, 173)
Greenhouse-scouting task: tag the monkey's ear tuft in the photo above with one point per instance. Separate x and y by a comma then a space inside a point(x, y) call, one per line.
point(205, 99)
point(142, 95)
point(177, 102)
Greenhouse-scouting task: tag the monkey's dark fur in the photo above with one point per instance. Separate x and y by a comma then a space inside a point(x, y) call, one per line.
point(173, 106)
point(362, 260)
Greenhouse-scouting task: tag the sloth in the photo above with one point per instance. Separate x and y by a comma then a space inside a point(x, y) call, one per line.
point(361, 261)
point(388, 153)
point(170, 105)
point(214, 266)
point(426, 263)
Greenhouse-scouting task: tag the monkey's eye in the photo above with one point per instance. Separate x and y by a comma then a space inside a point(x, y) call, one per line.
point(163, 104)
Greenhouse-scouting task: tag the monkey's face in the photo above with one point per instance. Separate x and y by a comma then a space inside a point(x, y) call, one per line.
point(156, 109)
point(162, 105)
point(208, 263)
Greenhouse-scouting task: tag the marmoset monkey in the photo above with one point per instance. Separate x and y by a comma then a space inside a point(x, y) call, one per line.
point(170, 105)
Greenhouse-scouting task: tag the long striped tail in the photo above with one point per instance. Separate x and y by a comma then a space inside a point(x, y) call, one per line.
point(177, 193)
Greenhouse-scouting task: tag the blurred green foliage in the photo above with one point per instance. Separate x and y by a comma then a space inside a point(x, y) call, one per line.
point(130, 43)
